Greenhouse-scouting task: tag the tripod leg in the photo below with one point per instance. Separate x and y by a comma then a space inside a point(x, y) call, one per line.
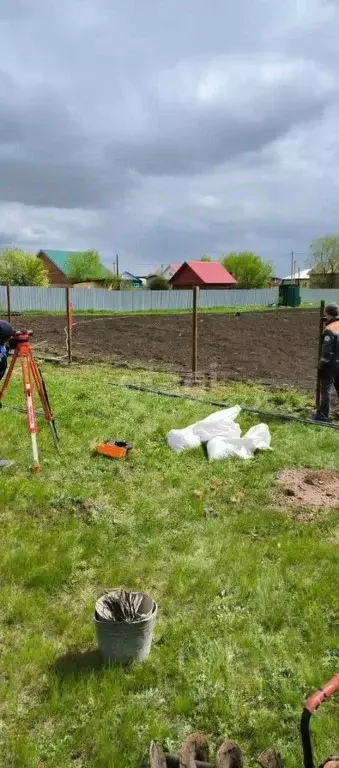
point(30, 410)
point(40, 385)
point(54, 435)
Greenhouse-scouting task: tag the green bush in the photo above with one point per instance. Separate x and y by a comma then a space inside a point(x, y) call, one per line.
point(18, 267)
point(158, 283)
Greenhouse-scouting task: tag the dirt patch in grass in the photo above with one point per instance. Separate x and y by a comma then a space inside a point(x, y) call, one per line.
point(277, 348)
point(87, 509)
point(306, 489)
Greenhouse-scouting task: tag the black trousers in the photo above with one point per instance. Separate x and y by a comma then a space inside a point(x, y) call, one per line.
point(328, 380)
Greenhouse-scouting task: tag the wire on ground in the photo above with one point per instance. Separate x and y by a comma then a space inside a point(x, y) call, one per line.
point(218, 404)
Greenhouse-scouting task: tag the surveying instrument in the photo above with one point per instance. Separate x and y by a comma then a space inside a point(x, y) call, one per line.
point(31, 379)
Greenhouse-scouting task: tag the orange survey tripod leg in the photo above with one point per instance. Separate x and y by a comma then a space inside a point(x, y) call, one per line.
point(31, 376)
point(42, 391)
point(30, 410)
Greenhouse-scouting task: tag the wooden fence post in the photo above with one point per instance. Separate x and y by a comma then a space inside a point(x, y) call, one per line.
point(195, 332)
point(320, 344)
point(69, 325)
point(9, 312)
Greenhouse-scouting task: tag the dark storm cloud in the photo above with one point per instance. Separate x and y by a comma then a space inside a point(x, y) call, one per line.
point(232, 113)
point(47, 158)
point(170, 121)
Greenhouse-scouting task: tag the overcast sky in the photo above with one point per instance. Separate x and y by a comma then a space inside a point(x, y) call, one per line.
point(168, 129)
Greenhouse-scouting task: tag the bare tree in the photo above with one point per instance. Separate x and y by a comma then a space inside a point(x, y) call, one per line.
point(324, 260)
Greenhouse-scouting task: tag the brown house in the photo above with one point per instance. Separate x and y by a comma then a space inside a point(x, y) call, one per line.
point(55, 265)
point(203, 274)
point(55, 262)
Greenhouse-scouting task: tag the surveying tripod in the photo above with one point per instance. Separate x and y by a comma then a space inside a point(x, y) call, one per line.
point(31, 377)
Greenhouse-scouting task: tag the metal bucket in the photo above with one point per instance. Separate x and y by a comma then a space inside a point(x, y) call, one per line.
point(122, 641)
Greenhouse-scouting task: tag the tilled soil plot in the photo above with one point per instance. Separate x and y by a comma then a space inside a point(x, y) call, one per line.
point(276, 348)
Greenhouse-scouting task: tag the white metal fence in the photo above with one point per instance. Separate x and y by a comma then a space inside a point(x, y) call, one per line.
point(51, 300)
point(96, 300)
point(315, 295)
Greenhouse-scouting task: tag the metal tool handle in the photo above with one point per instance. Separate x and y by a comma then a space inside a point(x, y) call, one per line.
point(311, 704)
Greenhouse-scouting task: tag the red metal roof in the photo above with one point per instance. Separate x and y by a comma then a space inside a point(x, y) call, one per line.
point(209, 272)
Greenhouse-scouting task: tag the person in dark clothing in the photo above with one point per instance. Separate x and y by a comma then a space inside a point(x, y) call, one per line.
point(329, 362)
point(6, 331)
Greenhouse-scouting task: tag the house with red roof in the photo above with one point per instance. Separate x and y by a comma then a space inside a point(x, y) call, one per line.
point(203, 274)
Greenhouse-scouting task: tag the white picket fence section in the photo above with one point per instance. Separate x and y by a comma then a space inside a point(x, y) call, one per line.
point(25, 299)
point(3, 299)
point(51, 300)
point(315, 295)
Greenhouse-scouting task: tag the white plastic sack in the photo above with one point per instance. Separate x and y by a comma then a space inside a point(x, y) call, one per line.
point(225, 448)
point(257, 438)
point(219, 424)
point(260, 436)
point(222, 435)
point(182, 439)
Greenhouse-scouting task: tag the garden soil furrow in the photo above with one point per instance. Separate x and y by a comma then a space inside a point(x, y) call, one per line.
point(277, 348)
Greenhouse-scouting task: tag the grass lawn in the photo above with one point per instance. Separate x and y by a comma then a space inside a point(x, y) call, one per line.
point(248, 601)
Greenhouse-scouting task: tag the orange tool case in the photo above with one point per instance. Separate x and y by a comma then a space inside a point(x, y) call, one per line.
point(114, 449)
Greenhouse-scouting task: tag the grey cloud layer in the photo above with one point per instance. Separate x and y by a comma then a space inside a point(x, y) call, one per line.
point(169, 129)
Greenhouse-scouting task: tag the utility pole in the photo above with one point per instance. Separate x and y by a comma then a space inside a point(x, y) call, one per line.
point(117, 264)
point(292, 265)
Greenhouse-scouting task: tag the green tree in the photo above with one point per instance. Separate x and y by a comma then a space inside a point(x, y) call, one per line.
point(206, 258)
point(158, 283)
point(324, 260)
point(18, 267)
point(85, 265)
point(248, 269)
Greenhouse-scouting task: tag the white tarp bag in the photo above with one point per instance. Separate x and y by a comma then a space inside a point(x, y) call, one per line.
point(260, 436)
point(217, 424)
point(222, 436)
point(226, 448)
point(182, 439)
point(257, 438)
